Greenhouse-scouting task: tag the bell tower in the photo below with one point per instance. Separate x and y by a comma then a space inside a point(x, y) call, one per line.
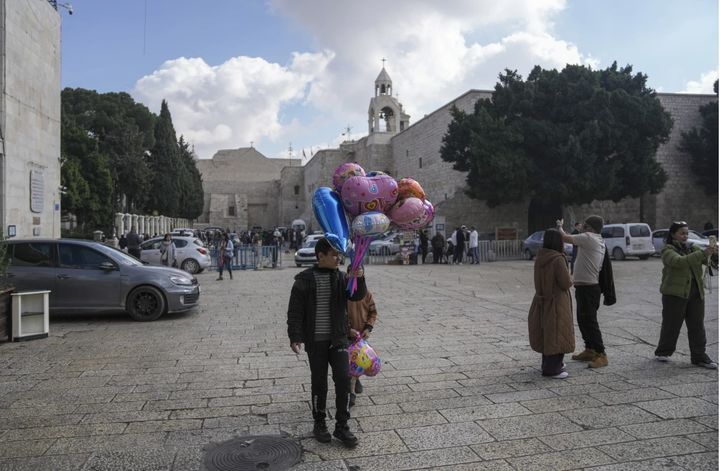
point(385, 114)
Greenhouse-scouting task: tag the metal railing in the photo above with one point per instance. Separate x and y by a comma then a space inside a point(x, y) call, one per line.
point(488, 251)
point(251, 257)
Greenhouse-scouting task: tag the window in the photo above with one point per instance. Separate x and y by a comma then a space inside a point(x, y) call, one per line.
point(420, 162)
point(231, 211)
point(297, 190)
point(80, 257)
point(612, 232)
point(179, 243)
point(31, 254)
point(639, 231)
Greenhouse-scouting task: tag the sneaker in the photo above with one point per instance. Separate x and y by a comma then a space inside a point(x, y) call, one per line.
point(586, 355)
point(561, 375)
point(599, 361)
point(352, 399)
point(321, 433)
point(344, 434)
point(662, 358)
point(708, 363)
point(219, 278)
point(358, 387)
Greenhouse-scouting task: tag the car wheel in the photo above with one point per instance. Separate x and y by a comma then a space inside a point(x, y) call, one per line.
point(528, 254)
point(145, 303)
point(191, 266)
point(644, 257)
point(618, 254)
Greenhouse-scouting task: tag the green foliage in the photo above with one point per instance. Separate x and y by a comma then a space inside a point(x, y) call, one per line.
point(566, 137)
point(120, 157)
point(702, 146)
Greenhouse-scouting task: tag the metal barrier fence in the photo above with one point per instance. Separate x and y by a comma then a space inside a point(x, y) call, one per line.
point(251, 257)
point(488, 251)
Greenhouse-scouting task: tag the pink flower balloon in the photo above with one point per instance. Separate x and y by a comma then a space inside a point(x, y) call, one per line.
point(345, 171)
point(363, 194)
point(407, 210)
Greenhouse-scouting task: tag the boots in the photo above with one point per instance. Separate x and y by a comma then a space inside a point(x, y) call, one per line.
point(599, 361)
point(587, 355)
point(320, 430)
point(342, 432)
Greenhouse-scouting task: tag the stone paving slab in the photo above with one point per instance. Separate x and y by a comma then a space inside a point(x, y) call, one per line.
point(460, 388)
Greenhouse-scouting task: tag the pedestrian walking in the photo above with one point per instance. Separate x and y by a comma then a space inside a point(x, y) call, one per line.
point(361, 321)
point(225, 254)
point(474, 253)
point(423, 245)
point(317, 318)
point(460, 245)
point(133, 243)
point(438, 246)
point(591, 251)
point(683, 296)
point(550, 320)
point(167, 251)
point(122, 243)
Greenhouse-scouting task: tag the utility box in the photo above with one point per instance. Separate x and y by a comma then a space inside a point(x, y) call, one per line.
point(30, 315)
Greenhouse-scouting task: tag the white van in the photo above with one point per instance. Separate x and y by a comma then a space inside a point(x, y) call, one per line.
point(632, 239)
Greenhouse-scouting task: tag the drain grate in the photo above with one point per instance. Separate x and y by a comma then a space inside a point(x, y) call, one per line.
point(253, 453)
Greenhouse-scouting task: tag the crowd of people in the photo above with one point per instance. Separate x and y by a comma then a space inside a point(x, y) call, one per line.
point(324, 318)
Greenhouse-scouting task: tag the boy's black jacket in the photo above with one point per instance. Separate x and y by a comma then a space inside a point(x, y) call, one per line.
point(303, 305)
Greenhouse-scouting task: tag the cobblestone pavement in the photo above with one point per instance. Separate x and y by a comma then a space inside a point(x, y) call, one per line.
point(460, 388)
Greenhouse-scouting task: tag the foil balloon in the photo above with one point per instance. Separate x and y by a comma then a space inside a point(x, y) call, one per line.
point(360, 195)
point(345, 171)
point(422, 220)
point(406, 210)
point(330, 214)
point(407, 188)
point(363, 359)
point(370, 224)
point(387, 189)
point(375, 173)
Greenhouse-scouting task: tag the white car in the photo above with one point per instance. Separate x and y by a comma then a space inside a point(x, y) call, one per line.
point(629, 239)
point(313, 237)
point(388, 245)
point(694, 238)
point(306, 254)
point(190, 253)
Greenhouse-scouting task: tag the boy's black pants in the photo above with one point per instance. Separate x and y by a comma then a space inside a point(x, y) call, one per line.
point(322, 355)
point(587, 299)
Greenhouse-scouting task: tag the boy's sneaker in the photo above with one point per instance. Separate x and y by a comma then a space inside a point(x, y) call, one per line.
point(706, 363)
point(587, 355)
point(344, 434)
point(662, 358)
point(321, 433)
point(358, 387)
point(599, 361)
point(561, 375)
point(352, 399)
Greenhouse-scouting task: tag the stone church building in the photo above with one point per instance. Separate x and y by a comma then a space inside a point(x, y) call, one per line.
point(243, 188)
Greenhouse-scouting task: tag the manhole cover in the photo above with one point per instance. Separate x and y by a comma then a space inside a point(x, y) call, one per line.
point(253, 453)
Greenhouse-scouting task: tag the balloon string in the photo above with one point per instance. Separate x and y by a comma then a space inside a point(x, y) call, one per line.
point(361, 244)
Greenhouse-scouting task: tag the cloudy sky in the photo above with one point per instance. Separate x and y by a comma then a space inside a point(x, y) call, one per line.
point(277, 72)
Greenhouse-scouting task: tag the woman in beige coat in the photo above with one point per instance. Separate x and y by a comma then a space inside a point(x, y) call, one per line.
point(550, 320)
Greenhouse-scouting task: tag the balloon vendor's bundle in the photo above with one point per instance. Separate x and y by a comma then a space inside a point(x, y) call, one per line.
point(374, 202)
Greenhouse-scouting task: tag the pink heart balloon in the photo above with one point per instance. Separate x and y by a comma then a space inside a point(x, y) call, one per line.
point(405, 211)
point(345, 171)
point(360, 194)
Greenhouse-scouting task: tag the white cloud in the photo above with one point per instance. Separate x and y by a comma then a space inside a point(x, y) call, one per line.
point(231, 104)
point(704, 85)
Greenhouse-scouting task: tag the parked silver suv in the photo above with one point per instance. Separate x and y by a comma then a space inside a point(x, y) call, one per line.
point(85, 276)
point(190, 253)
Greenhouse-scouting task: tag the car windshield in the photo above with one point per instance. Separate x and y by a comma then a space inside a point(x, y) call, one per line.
point(695, 235)
point(310, 244)
point(118, 255)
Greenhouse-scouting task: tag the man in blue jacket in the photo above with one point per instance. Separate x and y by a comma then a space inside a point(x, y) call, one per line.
point(317, 317)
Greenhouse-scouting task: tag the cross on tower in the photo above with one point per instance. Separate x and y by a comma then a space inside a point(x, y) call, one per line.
point(383, 61)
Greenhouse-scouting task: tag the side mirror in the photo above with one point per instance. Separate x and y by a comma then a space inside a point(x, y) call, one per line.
point(107, 266)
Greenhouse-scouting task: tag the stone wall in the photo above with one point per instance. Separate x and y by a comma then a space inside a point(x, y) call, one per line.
point(292, 196)
point(30, 117)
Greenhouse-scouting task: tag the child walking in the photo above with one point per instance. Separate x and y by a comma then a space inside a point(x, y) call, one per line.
point(317, 317)
point(361, 320)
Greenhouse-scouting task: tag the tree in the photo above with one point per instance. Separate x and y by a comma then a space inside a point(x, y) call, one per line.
point(191, 191)
point(702, 146)
point(164, 162)
point(559, 138)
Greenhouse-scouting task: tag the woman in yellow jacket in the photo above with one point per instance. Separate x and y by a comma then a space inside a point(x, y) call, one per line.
point(361, 320)
point(683, 296)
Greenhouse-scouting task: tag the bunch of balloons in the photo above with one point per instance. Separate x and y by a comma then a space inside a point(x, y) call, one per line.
point(373, 201)
point(363, 359)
